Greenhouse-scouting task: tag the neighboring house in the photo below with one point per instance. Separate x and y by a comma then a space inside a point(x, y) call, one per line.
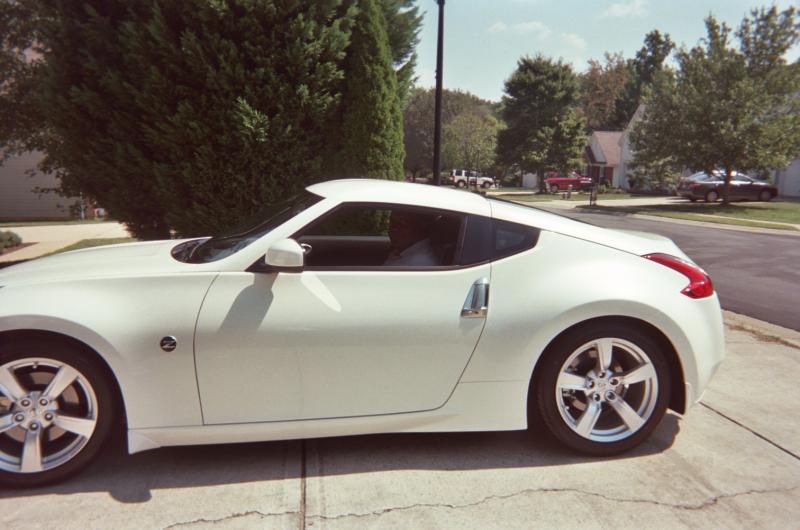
point(18, 201)
point(602, 156)
point(625, 150)
point(530, 180)
point(788, 180)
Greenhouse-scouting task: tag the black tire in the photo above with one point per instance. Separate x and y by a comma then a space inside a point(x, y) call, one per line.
point(486, 185)
point(549, 368)
point(765, 196)
point(692, 199)
point(106, 407)
point(553, 188)
point(461, 184)
point(712, 196)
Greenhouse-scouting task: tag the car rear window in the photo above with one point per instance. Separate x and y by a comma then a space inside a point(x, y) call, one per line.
point(489, 239)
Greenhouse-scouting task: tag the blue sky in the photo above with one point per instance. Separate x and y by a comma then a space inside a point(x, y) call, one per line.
point(484, 38)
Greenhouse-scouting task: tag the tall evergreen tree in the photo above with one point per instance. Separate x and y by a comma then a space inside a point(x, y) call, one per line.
point(544, 131)
point(602, 85)
point(366, 136)
point(403, 22)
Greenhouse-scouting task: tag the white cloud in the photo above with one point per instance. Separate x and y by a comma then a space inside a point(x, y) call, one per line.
point(633, 8)
point(531, 27)
point(573, 41)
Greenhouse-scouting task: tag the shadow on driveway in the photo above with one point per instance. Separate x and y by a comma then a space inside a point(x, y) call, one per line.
point(132, 478)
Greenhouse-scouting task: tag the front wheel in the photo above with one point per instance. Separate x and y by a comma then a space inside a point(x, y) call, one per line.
point(712, 196)
point(603, 389)
point(56, 410)
point(553, 188)
point(461, 184)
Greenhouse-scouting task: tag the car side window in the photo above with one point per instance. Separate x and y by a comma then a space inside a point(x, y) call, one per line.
point(377, 236)
point(489, 239)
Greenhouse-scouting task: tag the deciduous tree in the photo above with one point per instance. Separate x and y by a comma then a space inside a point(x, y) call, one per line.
point(641, 70)
point(602, 85)
point(470, 141)
point(418, 123)
point(544, 131)
point(366, 135)
point(727, 108)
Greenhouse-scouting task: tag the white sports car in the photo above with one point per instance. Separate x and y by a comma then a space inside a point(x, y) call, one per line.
point(356, 307)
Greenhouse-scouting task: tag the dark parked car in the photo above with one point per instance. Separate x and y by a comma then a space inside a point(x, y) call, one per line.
point(709, 188)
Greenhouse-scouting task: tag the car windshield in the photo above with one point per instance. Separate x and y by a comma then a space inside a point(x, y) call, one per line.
point(257, 226)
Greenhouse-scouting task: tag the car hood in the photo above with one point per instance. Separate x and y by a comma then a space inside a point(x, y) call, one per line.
point(151, 257)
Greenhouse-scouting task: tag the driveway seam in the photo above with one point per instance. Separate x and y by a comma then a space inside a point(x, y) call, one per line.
point(743, 426)
point(303, 485)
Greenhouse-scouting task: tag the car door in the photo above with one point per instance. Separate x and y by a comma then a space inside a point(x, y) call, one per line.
point(741, 187)
point(336, 341)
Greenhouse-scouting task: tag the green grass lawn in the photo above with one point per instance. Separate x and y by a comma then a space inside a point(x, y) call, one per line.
point(535, 197)
point(760, 214)
point(89, 243)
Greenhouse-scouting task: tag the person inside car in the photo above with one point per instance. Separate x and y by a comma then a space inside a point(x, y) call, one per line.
point(410, 237)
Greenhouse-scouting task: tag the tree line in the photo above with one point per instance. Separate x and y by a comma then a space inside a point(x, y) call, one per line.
point(724, 106)
point(181, 117)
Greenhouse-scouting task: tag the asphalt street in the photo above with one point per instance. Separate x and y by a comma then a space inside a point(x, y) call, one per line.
point(755, 274)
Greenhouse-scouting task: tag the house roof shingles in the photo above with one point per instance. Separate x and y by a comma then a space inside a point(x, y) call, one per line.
point(609, 145)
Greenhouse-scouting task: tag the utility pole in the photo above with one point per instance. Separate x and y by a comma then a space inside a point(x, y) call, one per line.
point(437, 125)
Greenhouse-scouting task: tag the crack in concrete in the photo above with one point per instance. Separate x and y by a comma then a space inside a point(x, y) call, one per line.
point(231, 517)
point(745, 427)
point(689, 507)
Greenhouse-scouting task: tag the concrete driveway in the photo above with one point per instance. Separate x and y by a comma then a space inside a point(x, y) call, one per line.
point(734, 461)
point(49, 238)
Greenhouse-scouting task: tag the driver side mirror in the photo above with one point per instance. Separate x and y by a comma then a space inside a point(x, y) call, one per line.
point(285, 255)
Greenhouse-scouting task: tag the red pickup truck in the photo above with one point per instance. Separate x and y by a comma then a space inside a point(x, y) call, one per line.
point(555, 182)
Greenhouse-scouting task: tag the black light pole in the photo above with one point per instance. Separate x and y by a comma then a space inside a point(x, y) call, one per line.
point(437, 125)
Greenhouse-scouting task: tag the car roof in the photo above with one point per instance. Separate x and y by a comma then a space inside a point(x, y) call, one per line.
point(394, 192)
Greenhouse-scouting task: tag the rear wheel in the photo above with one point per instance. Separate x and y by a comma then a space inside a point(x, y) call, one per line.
point(603, 389)
point(765, 196)
point(553, 188)
point(56, 410)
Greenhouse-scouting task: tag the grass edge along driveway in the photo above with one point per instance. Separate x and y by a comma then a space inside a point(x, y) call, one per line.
point(774, 215)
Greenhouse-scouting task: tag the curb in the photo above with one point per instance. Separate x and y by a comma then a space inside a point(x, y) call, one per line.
point(762, 330)
point(770, 231)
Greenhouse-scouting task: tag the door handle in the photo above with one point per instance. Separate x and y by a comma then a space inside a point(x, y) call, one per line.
point(477, 303)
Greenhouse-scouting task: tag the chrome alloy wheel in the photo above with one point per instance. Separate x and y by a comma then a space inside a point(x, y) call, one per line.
point(48, 413)
point(607, 389)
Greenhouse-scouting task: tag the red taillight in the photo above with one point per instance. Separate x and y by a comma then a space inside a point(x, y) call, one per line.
point(700, 284)
point(694, 186)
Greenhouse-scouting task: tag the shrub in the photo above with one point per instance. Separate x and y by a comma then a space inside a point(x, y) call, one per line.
point(9, 239)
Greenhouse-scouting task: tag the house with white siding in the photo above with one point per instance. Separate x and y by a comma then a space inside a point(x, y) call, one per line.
point(18, 199)
point(787, 180)
point(602, 157)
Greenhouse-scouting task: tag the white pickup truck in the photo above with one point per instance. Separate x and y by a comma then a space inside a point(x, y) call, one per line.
point(461, 178)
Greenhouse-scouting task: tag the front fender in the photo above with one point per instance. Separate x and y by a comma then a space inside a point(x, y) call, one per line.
point(123, 321)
